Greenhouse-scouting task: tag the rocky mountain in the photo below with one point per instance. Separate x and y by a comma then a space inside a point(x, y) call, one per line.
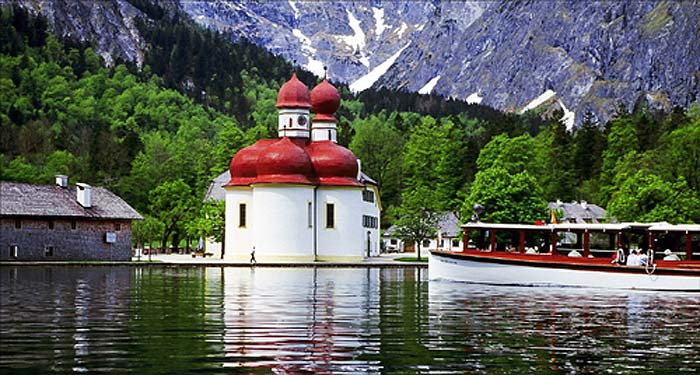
point(108, 25)
point(578, 56)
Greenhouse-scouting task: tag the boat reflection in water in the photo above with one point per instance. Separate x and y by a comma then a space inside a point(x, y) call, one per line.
point(164, 320)
point(563, 329)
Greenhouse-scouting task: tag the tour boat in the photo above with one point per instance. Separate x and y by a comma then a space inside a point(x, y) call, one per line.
point(575, 255)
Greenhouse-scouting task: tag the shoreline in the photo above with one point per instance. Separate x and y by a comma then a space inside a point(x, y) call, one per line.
point(185, 260)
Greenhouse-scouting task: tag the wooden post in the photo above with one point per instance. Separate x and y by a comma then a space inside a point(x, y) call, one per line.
point(522, 242)
point(465, 240)
point(492, 239)
point(553, 243)
point(586, 243)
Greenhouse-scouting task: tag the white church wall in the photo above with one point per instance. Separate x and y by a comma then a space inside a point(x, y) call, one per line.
point(343, 242)
point(280, 223)
point(238, 239)
point(371, 209)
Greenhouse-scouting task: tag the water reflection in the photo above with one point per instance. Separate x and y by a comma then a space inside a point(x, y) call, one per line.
point(183, 320)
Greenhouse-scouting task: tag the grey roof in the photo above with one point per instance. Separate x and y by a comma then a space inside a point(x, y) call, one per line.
point(19, 199)
point(216, 190)
point(448, 225)
point(579, 212)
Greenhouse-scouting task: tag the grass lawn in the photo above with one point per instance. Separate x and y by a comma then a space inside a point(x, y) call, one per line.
point(412, 259)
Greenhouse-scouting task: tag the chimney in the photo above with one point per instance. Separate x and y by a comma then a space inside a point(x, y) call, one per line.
point(61, 181)
point(84, 194)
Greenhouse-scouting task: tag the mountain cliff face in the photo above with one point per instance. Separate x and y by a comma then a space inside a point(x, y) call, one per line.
point(579, 56)
point(584, 56)
point(108, 25)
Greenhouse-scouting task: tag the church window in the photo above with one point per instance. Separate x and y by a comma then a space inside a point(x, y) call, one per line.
point(242, 215)
point(330, 215)
point(309, 214)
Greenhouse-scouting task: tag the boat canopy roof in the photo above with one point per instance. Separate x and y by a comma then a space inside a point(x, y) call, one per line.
point(497, 226)
point(568, 227)
point(675, 228)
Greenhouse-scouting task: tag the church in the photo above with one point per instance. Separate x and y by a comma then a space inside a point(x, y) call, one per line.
point(301, 197)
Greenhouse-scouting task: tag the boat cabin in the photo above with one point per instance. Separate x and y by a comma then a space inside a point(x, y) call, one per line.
point(586, 240)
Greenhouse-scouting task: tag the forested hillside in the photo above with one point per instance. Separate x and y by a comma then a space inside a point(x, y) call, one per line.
point(157, 134)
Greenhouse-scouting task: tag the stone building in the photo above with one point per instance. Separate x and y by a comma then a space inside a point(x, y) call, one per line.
point(61, 222)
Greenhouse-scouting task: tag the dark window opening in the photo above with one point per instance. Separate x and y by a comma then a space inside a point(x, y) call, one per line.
point(48, 251)
point(117, 226)
point(368, 195)
point(51, 224)
point(241, 215)
point(73, 224)
point(18, 224)
point(330, 215)
point(14, 250)
point(426, 243)
point(455, 243)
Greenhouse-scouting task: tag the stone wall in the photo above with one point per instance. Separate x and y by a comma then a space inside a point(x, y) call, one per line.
point(78, 239)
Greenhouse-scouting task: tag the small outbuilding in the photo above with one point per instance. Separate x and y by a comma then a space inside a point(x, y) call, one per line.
point(61, 222)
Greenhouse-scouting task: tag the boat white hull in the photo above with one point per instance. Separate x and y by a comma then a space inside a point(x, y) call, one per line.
point(483, 271)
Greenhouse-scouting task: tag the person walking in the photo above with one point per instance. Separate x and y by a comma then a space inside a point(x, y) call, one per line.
point(252, 257)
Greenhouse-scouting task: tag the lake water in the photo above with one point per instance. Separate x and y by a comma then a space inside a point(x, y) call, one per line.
point(194, 320)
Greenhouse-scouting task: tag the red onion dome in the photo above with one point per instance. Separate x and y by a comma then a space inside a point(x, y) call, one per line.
point(325, 100)
point(293, 94)
point(243, 164)
point(333, 164)
point(284, 162)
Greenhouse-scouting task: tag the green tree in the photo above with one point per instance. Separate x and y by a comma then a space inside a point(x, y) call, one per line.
point(171, 202)
point(379, 146)
point(146, 231)
point(646, 197)
point(432, 158)
point(417, 217)
point(554, 172)
point(507, 198)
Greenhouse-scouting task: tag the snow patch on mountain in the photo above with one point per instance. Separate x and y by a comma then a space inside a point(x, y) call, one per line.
point(305, 41)
point(539, 100)
point(295, 9)
point(428, 88)
point(569, 117)
point(356, 41)
point(402, 29)
point(366, 81)
point(474, 98)
point(380, 26)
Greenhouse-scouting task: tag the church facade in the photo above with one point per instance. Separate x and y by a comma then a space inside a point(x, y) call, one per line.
point(301, 197)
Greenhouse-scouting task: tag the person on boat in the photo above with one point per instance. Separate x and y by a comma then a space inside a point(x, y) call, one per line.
point(633, 258)
point(643, 257)
point(670, 256)
point(575, 254)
